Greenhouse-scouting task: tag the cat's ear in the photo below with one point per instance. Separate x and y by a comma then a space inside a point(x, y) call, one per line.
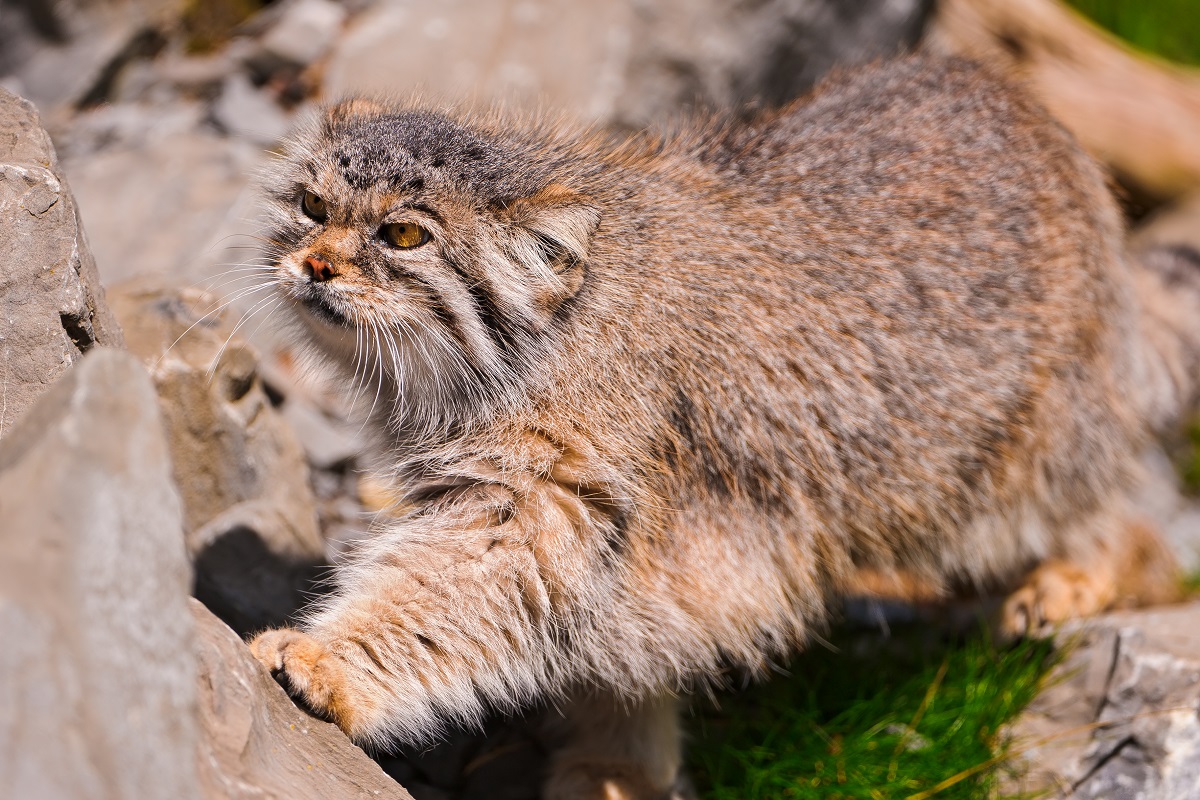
point(550, 234)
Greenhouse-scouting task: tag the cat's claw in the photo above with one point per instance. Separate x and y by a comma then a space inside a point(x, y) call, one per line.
point(308, 670)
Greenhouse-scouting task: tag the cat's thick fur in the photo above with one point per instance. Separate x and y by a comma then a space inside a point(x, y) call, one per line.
point(655, 402)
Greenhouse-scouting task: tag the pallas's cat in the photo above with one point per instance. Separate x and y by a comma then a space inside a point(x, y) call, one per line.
point(654, 403)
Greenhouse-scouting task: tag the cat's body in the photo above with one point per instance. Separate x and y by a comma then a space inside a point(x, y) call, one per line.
point(662, 400)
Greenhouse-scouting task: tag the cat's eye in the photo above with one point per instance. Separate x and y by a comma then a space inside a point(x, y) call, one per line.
point(404, 235)
point(314, 207)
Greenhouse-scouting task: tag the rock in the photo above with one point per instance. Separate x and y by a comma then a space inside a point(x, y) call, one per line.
point(726, 53)
point(621, 62)
point(52, 308)
point(112, 687)
point(303, 32)
point(327, 442)
point(257, 744)
point(250, 518)
point(97, 677)
point(161, 196)
point(85, 45)
point(160, 82)
point(1121, 716)
point(246, 111)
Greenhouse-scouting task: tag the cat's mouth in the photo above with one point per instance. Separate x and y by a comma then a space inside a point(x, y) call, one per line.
point(319, 305)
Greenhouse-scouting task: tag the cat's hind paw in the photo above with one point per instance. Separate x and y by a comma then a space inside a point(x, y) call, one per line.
point(1053, 593)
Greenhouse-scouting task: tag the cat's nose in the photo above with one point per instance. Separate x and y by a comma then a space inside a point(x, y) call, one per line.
point(319, 269)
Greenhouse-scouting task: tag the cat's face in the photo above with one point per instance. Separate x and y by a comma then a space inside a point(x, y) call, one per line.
point(412, 239)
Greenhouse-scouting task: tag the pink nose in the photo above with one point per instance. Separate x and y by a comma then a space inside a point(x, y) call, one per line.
point(320, 269)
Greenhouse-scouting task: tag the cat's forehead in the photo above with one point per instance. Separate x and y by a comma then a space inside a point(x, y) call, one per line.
point(418, 149)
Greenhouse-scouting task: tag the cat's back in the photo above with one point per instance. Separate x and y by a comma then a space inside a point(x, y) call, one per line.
point(925, 151)
point(917, 278)
point(930, 193)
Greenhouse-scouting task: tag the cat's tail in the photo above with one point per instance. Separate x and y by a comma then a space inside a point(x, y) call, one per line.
point(1167, 376)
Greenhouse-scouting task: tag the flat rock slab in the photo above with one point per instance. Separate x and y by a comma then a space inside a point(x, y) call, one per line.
point(1120, 719)
point(97, 676)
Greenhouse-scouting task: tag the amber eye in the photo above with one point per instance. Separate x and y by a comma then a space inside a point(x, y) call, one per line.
point(404, 234)
point(314, 207)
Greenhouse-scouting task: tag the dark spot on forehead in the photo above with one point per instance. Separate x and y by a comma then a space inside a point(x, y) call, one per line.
point(406, 150)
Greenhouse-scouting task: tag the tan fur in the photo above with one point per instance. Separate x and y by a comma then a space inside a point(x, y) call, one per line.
point(655, 402)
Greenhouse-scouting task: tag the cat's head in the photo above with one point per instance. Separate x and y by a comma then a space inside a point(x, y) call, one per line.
point(439, 248)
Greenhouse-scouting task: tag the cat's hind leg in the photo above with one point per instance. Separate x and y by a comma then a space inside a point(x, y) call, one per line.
point(615, 749)
point(1134, 567)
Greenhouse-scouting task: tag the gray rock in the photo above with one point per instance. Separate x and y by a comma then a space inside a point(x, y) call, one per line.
point(97, 677)
point(250, 517)
point(725, 53)
point(622, 62)
point(1121, 718)
point(248, 112)
point(83, 46)
point(257, 744)
point(304, 31)
point(52, 309)
point(1171, 225)
point(328, 442)
point(161, 196)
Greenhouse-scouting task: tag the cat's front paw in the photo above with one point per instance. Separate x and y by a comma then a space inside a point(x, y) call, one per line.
point(312, 674)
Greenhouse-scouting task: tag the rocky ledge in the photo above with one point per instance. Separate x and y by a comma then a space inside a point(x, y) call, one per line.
point(1120, 717)
point(115, 683)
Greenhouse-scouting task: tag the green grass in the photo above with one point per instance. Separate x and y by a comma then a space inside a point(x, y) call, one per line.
point(890, 724)
point(1187, 458)
point(1168, 28)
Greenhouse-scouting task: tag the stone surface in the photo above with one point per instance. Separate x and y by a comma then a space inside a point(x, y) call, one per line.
point(1176, 514)
point(1172, 225)
point(612, 61)
point(328, 442)
point(246, 111)
point(304, 31)
point(84, 45)
point(97, 677)
point(250, 517)
point(52, 308)
point(163, 200)
point(257, 744)
point(1121, 718)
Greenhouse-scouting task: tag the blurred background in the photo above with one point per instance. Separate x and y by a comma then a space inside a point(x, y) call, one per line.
point(163, 111)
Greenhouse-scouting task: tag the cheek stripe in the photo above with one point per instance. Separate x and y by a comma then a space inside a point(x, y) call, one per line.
point(438, 307)
point(489, 313)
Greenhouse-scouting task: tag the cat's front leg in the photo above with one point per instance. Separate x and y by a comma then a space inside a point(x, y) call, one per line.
point(467, 606)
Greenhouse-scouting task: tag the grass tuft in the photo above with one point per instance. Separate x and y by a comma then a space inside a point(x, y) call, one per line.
point(895, 722)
